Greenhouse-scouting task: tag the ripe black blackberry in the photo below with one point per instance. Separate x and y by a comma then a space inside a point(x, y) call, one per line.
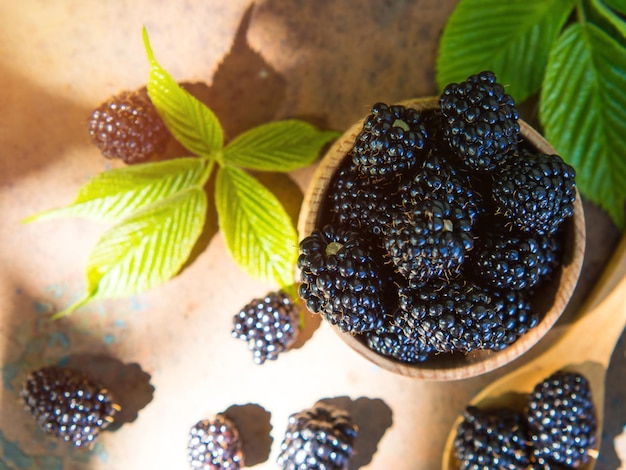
point(215, 445)
point(68, 404)
point(561, 418)
point(492, 439)
point(455, 315)
point(403, 345)
point(341, 280)
point(128, 127)
point(390, 141)
point(515, 313)
point(359, 201)
point(428, 239)
point(321, 437)
point(269, 325)
point(509, 260)
point(439, 178)
point(480, 121)
point(535, 192)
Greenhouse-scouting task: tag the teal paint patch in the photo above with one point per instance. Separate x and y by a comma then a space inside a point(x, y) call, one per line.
point(120, 323)
point(9, 372)
point(11, 453)
point(109, 339)
point(58, 338)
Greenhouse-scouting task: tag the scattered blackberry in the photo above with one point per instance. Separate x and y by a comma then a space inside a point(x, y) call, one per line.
point(215, 445)
point(480, 121)
point(359, 201)
point(428, 239)
point(341, 280)
point(561, 418)
point(128, 127)
point(495, 439)
point(269, 325)
point(321, 437)
point(535, 192)
point(515, 313)
point(390, 140)
point(509, 261)
point(68, 404)
point(392, 341)
point(437, 178)
point(450, 316)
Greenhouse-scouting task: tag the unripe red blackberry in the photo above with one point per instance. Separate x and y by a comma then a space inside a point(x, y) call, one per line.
point(127, 126)
point(68, 404)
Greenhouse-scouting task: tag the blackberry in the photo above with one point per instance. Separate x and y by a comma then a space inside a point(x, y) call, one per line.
point(480, 121)
point(490, 439)
point(509, 261)
point(68, 404)
point(359, 201)
point(128, 127)
point(535, 192)
point(341, 280)
point(390, 140)
point(215, 445)
point(321, 437)
point(437, 178)
point(428, 239)
point(515, 313)
point(561, 418)
point(269, 325)
point(450, 316)
point(394, 342)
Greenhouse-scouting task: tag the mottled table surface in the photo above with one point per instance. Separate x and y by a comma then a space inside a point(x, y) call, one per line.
point(168, 352)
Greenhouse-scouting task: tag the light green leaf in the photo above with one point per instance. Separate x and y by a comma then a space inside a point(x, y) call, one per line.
point(258, 231)
point(277, 146)
point(511, 38)
point(190, 121)
point(117, 193)
point(144, 250)
point(583, 111)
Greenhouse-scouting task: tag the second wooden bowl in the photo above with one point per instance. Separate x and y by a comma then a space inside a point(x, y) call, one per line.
point(549, 301)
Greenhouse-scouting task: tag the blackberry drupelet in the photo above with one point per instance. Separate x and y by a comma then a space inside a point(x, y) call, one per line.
point(68, 404)
point(390, 141)
point(321, 437)
point(128, 127)
point(359, 201)
point(450, 316)
point(215, 445)
point(492, 439)
point(341, 280)
point(269, 325)
point(535, 192)
point(561, 419)
point(405, 346)
point(515, 312)
point(508, 260)
point(428, 239)
point(480, 121)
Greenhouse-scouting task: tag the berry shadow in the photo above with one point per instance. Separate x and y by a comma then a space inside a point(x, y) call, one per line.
point(373, 417)
point(254, 426)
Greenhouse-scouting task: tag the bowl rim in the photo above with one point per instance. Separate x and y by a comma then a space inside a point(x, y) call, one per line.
point(475, 363)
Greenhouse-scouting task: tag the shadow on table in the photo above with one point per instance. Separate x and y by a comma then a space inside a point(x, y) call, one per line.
point(373, 417)
point(254, 426)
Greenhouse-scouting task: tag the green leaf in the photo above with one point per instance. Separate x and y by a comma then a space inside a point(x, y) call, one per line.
point(511, 38)
point(583, 111)
point(277, 146)
point(617, 5)
point(144, 250)
point(190, 121)
point(115, 194)
point(606, 19)
point(258, 231)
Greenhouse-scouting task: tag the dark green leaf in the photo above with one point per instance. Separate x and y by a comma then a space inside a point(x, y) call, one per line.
point(583, 111)
point(258, 231)
point(115, 194)
point(277, 146)
point(190, 121)
point(145, 249)
point(511, 38)
point(606, 19)
point(617, 5)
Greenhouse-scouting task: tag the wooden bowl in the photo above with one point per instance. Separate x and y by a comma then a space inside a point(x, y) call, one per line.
point(549, 301)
